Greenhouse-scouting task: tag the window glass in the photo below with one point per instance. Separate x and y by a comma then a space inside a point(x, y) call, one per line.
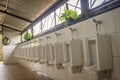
point(30, 31)
point(44, 24)
point(95, 3)
point(52, 20)
point(36, 29)
point(74, 5)
point(48, 22)
point(58, 12)
point(23, 36)
point(40, 25)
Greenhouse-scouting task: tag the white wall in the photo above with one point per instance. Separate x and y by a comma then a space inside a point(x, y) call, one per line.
point(8, 50)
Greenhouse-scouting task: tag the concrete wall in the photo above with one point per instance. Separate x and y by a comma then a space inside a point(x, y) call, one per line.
point(110, 26)
point(8, 50)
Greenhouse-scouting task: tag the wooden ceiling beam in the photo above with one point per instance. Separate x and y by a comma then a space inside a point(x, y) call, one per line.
point(11, 28)
point(19, 17)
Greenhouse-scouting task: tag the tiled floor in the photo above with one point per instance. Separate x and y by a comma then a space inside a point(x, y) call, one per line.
point(18, 72)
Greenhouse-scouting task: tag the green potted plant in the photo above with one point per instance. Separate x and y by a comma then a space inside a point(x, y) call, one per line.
point(69, 16)
point(27, 36)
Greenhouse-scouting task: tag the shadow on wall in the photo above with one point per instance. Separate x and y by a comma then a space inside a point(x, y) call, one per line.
point(8, 54)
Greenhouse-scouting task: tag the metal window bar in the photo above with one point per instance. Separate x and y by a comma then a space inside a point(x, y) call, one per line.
point(53, 20)
point(48, 26)
point(48, 23)
point(44, 24)
point(57, 21)
point(55, 17)
point(92, 4)
point(66, 6)
point(34, 32)
point(60, 11)
point(39, 26)
point(76, 4)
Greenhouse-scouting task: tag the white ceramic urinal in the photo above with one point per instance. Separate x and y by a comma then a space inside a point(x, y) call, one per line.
point(52, 54)
point(42, 54)
point(73, 55)
point(98, 54)
point(59, 59)
point(36, 59)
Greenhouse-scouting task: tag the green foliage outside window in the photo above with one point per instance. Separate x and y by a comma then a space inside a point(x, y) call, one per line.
point(69, 16)
point(27, 36)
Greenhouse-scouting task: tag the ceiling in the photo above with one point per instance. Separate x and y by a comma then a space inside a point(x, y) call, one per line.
point(18, 14)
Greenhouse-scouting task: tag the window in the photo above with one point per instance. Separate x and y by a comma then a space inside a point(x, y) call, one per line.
point(48, 22)
point(29, 30)
point(95, 3)
point(74, 5)
point(23, 36)
point(36, 29)
point(44, 24)
point(53, 18)
point(58, 12)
